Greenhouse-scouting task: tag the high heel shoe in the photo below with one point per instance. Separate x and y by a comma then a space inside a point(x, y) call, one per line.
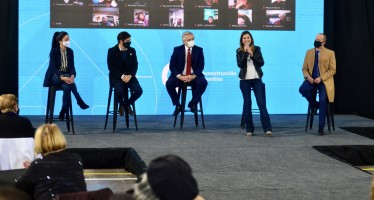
point(61, 116)
point(81, 104)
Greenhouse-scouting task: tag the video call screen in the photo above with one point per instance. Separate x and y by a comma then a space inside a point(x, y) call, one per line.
point(283, 30)
point(174, 14)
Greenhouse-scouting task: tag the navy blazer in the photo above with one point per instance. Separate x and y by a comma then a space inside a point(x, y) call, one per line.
point(117, 66)
point(55, 64)
point(178, 60)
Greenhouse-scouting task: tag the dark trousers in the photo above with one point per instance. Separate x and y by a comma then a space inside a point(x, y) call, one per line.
point(259, 90)
point(121, 89)
point(198, 85)
point(309, 92)
point(67, 88)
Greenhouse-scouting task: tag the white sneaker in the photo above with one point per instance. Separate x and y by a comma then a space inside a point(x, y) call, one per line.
point(268, 133)
point(249, 133)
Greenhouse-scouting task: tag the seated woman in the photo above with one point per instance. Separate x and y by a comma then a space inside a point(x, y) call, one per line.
point(57, 172)
point(12, 125)
point(61, 71)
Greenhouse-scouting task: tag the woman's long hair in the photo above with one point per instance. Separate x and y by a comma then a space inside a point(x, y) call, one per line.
point(55, 43)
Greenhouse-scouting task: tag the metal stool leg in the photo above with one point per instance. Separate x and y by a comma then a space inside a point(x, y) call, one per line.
point(115, 112)
point(176, 116)
point(202, 113)
point(47, 109)
point(108, 107)
point(52, 98)
point(72, 117)
point(307, 118)
point(184, 94)
point(332, 116)
point(135, 120)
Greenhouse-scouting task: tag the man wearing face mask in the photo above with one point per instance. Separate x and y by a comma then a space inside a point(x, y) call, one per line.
point(186, 66)
point(319, 68)
point(123, 65)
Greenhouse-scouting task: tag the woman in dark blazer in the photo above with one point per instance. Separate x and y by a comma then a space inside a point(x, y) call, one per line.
point(61, 71)
point(57, 172)
point(249, 59)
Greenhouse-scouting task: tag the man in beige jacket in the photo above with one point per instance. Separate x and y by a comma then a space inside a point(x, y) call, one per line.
point(319, 68)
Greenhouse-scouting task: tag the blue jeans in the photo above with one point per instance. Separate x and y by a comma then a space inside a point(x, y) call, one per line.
point(308, 91)
point(259, 90)
point(121, 88)
point(67, 88)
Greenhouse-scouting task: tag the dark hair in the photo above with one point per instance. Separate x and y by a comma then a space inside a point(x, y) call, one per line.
point(61, 36)
point(246, 19)
point(171, 178)
point(123, 36)
point(55, 43)
point(241, 37)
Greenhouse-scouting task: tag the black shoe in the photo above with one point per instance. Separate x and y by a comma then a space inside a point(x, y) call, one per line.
point(321, 132)
point(314, 109)
point(61, 116)
point(129, 110)
point(81, 104)
point(177, 110)
point(121, 111)
point(193, 108)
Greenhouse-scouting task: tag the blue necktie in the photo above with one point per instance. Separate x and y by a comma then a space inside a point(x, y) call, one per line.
point(315, 73)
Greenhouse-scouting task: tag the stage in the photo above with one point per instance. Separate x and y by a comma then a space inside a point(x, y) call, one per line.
point(229, 165)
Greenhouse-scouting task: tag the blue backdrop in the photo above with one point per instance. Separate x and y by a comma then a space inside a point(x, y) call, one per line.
point(283, 53)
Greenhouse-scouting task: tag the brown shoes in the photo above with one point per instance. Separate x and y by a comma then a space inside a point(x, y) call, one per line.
point(128, 110)
point(121, 111)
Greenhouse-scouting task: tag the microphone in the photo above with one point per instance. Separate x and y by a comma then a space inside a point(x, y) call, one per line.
point(247, 44)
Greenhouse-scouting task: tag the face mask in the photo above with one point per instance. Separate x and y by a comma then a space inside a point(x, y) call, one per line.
point(190, 43)
point(127, 44)
point(66, 43)
point(317, 44)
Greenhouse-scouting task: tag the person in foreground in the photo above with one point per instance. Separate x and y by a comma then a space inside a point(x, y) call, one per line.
point(318, 69)
point(250, 61)
point(56, 172)
point(123, 65)
point(186, 67)
point(168, 177)
point(61, 71)
point(12, 125)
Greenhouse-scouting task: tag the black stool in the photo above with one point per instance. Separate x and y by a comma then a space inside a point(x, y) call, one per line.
point(51, 105)
point(115, 111)
point(183, 91)
point(329, 116)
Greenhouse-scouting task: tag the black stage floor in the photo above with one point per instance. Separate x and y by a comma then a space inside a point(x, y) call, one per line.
point(230, 165)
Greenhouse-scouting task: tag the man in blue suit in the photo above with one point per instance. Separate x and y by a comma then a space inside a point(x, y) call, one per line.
point(186, 66)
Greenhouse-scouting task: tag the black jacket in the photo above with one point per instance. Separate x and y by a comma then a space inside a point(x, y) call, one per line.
point(14, 126)
point(258, 61)
point(56, 173)
point(117, 66)
point(55, 64)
